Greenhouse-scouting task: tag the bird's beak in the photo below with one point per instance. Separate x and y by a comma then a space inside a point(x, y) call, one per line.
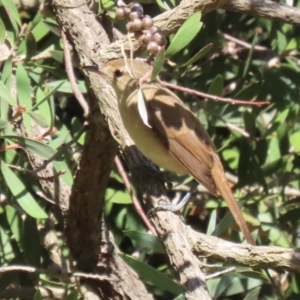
point(92, 68)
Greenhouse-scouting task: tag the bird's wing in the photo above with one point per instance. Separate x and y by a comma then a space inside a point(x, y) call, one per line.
point(182, 133)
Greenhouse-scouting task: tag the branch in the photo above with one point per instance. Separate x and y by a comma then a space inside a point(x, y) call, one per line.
point(277, 258)
point(266, 9)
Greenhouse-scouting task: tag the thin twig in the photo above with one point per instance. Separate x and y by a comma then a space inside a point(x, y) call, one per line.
point(71, 76)
point(218, 274)
point(52, 272)
point(33, 173)
point(213, 97)
point(135, 201)
point(33, 58)
point(243, 43)
point(37, 138)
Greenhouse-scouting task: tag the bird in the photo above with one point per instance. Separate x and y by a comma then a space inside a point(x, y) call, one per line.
point(169, 134)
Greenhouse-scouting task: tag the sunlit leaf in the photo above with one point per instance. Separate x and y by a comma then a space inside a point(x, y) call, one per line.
point(185, 34)
point(12, 11)
point(3, 124)
point(55, 89)
point(202, 52)
point(158, 64)
point(5, 95)
point(2, 32)
point(38, 118)
point(253, 295)
point(21, 193)
point(24, 94)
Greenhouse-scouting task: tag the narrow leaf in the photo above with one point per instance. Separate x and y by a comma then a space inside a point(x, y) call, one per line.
point(2, 33)
point(12, 11)
point(72, 296)
point(149, 241)
point(158, 64)
point(24, 94)
point(48, 95)
point(20, 192)
point(38, 118)
point(202, 52)
point(151, 275)
point(253, 295)
point(3, 124)
point(185, 34)
point(142, 107)
point(36, 147)
point(249, 58)
point(31, 242)
point(5, 94)
point(23, 85)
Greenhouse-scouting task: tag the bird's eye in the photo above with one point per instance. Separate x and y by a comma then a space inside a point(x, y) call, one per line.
point(119, 73)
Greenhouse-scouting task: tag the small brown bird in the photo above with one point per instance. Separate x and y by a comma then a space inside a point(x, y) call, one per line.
point(172, 137)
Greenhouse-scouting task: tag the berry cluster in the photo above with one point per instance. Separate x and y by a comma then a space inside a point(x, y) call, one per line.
point(142, 25)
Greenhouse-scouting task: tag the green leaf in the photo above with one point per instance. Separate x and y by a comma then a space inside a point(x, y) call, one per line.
point(275, 165)
point(30, 45)
point(23, 86)
point(36, 147)
point(72, 296)
point(37, 295)
point(2, 33)
point(24, 94)
point(295, 141)
point(20, 192)
point(163, 5)
point(66, 87)
point(152, 276)
point(217, 85)
point(117, 197)
point(38, 118)
point(5, 95)
point(222, 286)
point(253, 295)
point(7, 73)
point(149, 241)
point(12, 11)
point(226, 221)
point(202, 52)
point(250, 54)
point(158, 64)
point(3, 124)
point(212, 222)
point(40, 31)
point(47, 108)
point(57, 55)
point(185, 34)
point(54, 90)
point(14, 221)
point(31, 242)
point(250, 125)
point(281, 40)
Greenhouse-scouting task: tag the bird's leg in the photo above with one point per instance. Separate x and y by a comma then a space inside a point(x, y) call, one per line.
point(178, 206)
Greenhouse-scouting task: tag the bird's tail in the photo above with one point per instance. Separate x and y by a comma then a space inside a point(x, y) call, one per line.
point(225, 191)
